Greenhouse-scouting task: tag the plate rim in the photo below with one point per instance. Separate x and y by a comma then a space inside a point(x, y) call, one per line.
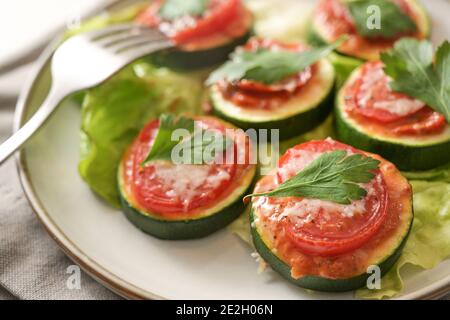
point(71, 250)
point(99, 273)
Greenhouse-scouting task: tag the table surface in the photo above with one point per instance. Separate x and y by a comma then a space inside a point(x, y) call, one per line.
point(22, 16)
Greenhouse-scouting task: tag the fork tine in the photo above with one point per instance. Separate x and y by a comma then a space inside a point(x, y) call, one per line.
point(112, 30)
point(139, 50)
point(116, 39)
point(134, 41)
point(154, 36)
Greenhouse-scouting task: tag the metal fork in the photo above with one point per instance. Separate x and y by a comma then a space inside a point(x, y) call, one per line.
point(85, 61)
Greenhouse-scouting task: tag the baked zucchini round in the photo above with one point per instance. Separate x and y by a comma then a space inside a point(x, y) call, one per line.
point(325, 246)
point(294, 105)
point(332, 19)
point(403, 130)
point(204, 34)
point(178, 201)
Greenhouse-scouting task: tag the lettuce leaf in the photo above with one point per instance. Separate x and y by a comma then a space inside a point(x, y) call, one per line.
point(114, 113)
point(429, 242)
point(343, 66)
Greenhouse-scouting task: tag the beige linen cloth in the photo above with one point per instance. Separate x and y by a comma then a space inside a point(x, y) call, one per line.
point(31, 264)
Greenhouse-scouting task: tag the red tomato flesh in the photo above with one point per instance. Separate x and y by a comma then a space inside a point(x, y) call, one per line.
point(253, 94)
point(335, 20)
point(313, 236)
point(166, 189)
point(326, 229)
point(224, 20)
point(371, 99)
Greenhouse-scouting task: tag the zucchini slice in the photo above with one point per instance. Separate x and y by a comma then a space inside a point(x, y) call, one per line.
point(183, 60)
point(409, 153)
point(195, 227)
point(203, 37)
point(366, 49)
point(223, 205)
point(303, 112)
point(321, 283)
point(340, 272)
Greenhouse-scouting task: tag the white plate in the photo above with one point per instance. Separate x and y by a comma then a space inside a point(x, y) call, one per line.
point(135, 265)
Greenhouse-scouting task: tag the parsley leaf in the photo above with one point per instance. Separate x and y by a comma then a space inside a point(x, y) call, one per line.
point(393, 20)
point(333, 176)
point(173, 9)
point(201, 146)
point(204, 147)
point(268, 66)
point(163, 144)
point(420, 74)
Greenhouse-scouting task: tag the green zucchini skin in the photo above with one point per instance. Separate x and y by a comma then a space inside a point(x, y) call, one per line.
point(185, 229)
point(319, 283)
point(289, 127)
point(192, 60)
point(405, 157)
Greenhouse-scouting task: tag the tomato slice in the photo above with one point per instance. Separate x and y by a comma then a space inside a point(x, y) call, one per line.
point(377, 101)
point(167, 189)
point(324, 228)
point(335, 16)
point(253, 94)
point(426, 121)
point(224, 18)
point(335, 21)
point(372, 98)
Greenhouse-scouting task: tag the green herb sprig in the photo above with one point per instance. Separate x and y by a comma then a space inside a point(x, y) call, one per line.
point(393, 21)
point(174, 9)
point(268, 67)
point(202, 147)
point(417, 71)
point(334, 176)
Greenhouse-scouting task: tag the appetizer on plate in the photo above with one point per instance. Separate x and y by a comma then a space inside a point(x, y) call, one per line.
point(195, 197)
point(205, 32)
point(403, 117)
point(329, 213)
point(269, 84)
point(371, 25)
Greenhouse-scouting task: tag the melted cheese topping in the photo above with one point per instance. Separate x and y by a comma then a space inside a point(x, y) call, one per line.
point(183, 181)
point(401, 106)
point(302, 211)
point(298, 161)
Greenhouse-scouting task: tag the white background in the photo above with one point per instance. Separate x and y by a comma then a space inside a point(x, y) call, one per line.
point(27, 22)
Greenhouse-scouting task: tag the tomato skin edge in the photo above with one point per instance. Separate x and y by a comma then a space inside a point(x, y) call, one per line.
point(184, 229)
point(194, 227)
point(407, 157)
point(315, 38)
point(325, 249)
point(316, 283)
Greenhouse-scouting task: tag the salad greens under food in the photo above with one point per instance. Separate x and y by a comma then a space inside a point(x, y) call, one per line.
point(113, 114)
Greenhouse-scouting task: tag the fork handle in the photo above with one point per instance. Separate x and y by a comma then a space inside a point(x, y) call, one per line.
point(22, 135)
